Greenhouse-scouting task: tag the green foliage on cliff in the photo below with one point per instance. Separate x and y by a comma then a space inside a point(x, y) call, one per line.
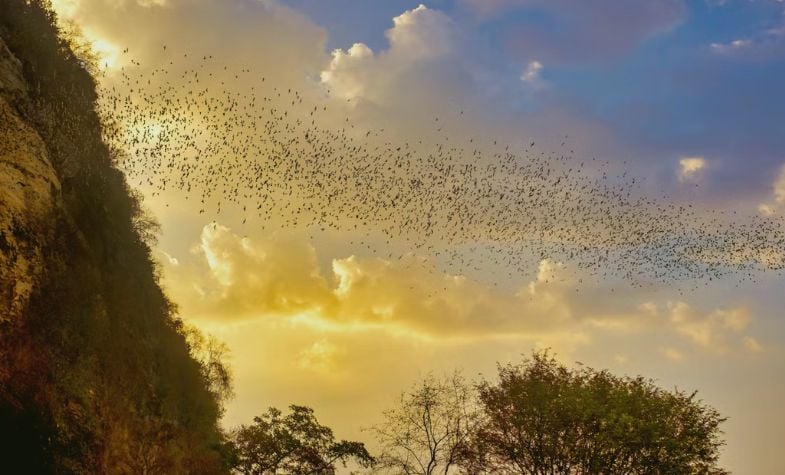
point(99, 376)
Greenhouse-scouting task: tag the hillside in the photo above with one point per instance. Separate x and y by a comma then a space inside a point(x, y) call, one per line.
point(96, 374)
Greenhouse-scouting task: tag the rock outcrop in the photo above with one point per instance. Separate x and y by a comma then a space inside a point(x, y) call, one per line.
point(29, 193)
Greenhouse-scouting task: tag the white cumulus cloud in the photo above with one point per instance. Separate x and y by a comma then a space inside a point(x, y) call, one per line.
point(531, 74)
point(690, 168)
point(777, 195)
point(231, 278)
point(417, 36)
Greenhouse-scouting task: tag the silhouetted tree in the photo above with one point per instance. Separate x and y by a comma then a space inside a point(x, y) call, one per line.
point(541, 417)
point(211, 354)
point(293, 444)
point(428, 431)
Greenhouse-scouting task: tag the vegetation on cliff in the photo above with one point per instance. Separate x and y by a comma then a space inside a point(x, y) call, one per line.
point(97, 376)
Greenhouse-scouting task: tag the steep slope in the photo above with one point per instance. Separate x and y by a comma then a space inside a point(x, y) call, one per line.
point(96, 375)
point(29, 194)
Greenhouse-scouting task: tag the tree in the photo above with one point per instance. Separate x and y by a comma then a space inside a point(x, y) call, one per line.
point(211, 354)
point(428, 431)
point(541, 417)
point(294, 444)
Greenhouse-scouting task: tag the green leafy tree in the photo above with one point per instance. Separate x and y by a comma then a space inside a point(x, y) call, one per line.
point(293, 444)
point(541, 417)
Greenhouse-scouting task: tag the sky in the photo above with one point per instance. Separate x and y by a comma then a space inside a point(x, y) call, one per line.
point(686, 95)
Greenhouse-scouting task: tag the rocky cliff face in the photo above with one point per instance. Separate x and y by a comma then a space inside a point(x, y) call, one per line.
point(96, 374)
point(29, 193)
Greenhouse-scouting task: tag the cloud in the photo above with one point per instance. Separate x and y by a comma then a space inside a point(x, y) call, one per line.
point(578, 31)
point(531, 74)
point(418, 37)
point(718, 331)
point(276, 275)
point(320, 356)
point(777, 195)
point(280, 275)
point(779, 187)
point(673, 354)
point(234, 279)
point(765, 44)
point(433, 65)
point(733, 46)
point(752, 345)
point(66, 8)
point(347, 72)
point(421, 33)
point(169, 259)
point(766, 209)
point(710, 330)
point(690, 168)
point(262, 35)
point(153, 3)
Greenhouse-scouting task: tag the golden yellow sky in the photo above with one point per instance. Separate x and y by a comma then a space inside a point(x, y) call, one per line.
point(313, 318)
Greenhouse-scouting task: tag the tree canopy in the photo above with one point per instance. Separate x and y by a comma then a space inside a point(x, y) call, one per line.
point(295, 443)
point(542, 417)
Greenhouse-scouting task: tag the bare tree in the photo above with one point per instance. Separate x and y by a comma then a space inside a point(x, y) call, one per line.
point(429, 429)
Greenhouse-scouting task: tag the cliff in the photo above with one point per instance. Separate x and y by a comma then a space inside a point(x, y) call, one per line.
point(96, 373)
point(29, 194)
